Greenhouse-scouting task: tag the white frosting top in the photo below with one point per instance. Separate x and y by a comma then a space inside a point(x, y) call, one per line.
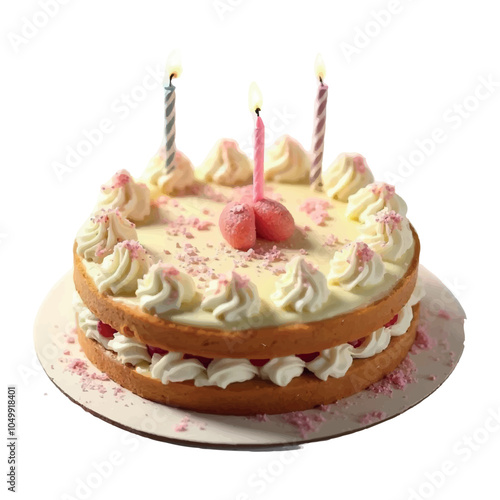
point(132, 199)
point(165, 288)
point(121, 270)
point(301, 288)
point(226, 164)
point(388, 234)
point(129, 350)
point(232, 298)
point(171, 367)
point(346, 175)
point(181, 177)
point(282, 370)
point(371, 199)
point(99, 235)
point(287, 161)
point(225, 371)
point(184, 233)
point(356, 265)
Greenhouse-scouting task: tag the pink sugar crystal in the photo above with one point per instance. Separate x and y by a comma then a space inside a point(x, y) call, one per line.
point(359, 164)
point(304, 423)
point(397, 379)
point(316, 208)
point(363, 252)
point(183, 425)
point(386, 191)
point(390, 218)
point(372, 417)
point(169, 271)
point(119, 180)
point(423, 342)
point(330, 240)
point(135, 249)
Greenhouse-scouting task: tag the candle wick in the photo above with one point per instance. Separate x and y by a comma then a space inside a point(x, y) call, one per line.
point(257, 111)
point(321, 80)
point(171, 77)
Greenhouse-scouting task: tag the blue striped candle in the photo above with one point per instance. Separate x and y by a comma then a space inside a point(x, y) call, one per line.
point(170, 126)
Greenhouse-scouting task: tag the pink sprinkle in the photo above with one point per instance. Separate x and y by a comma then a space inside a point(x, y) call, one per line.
point(66, 353)
point(135, 249)
point(390, 218)
point(386, 191)
point(423, 342)
point(444, 314)
point(331, 240)
point(372, 417)
point(70, 340)
point(303, 422)
point(363, 252)
point(397, 379)
point(359, 164)
point(316, 208)
point(77, 366)
point(170, 271)
point(119, 180)
point(183, 425)
point(260, 417)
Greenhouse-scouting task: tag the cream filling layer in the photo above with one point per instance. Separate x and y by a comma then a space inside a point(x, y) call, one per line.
point(172, 367)
point(183, 232)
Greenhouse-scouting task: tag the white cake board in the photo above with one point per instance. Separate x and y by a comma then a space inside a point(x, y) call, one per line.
point(58, 349)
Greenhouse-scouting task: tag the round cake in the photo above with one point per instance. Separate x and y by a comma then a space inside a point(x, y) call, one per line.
point(193, 295)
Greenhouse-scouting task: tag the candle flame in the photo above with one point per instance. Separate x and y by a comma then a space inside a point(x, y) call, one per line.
point(319, 67)
point(254, 97)
point(174, 66)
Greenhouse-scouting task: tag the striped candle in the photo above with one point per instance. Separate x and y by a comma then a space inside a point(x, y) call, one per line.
point(173, 70)
point(319, 127)
point(170, 127)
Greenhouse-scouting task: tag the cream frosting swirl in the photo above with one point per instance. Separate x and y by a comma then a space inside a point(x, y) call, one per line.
point(179, 179)
point(388, 234)
point(88, 322)
point(332, 362)
point(99, 235)
point(131, 198)
point(404, 320)
point(346, 175)
point(232, 298)
point(356, 265)
point(225, 371)
point(121, 270)
point(282, 370)
point(172, 367)
point(129, 350)
point(301, 288)
point(226, 164)
point(287, 161)
point(375, 343)
point(371, 199)
point(164, 288)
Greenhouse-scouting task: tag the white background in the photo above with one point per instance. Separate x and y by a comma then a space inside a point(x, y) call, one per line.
point(61, 79)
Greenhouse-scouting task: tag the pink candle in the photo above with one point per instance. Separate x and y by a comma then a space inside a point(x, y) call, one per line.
point(319, 126)
point(258, 157)
point(255, 103)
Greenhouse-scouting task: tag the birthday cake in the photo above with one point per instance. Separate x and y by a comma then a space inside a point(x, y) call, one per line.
point(193, 292)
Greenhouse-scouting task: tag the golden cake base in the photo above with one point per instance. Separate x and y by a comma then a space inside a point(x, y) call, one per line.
point(255, 396)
